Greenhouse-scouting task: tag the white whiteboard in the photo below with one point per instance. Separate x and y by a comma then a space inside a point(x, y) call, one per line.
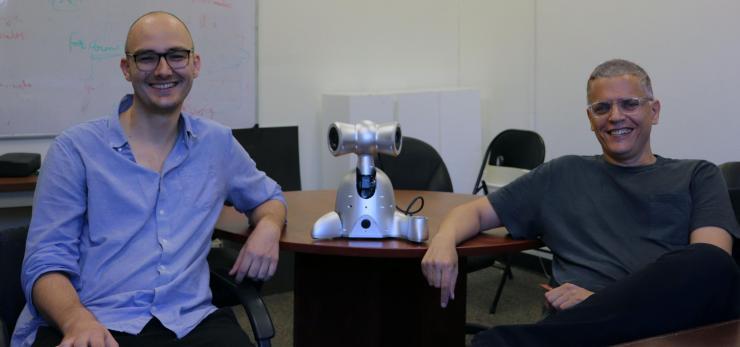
point(59, 60)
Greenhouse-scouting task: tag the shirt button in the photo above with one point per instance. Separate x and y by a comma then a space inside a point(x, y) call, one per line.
point(161, 212)
point(161, 268)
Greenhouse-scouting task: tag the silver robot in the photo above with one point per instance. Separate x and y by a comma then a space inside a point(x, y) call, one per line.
point(365, 206)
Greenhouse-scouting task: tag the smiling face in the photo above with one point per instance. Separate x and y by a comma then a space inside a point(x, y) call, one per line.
point(163, 90)
point(624, 136)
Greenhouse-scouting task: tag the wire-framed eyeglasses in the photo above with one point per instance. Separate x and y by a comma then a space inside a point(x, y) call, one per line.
point(147, 61)
point(626, 105)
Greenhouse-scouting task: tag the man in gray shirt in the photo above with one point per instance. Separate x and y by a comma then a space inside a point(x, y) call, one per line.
point(632, 233)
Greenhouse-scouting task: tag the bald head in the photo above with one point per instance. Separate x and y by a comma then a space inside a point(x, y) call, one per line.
point(151, 18)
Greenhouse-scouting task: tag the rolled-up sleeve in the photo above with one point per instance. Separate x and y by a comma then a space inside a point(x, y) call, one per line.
point(58, 218)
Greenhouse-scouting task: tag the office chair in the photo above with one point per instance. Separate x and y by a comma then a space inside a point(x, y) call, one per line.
point(12, 247)
point(512, 148)
point(12, 300)
point(275, 151)
point(731, 173)
point(226, 292)
point(418, 167)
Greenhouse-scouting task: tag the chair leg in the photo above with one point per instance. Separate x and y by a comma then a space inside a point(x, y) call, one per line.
point(506, 274)
point(507, 269)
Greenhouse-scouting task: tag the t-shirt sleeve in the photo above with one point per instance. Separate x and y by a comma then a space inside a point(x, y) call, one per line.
point(518, 204)
point(711, 200)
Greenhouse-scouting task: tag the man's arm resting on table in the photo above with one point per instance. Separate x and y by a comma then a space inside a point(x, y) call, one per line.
point(57, 300)
point(439, 264)
point(259, 255)
point(714, 236)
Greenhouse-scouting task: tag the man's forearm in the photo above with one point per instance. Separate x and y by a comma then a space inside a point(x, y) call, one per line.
point(469, 219)
point(57, 300)
point(714, 236)
point(270, 211)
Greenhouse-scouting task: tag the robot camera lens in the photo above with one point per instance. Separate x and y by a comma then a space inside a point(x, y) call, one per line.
point(365, 223)
point(333, 138)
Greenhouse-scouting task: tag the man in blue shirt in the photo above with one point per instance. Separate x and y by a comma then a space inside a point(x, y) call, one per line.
point(125, 207)
point(641, 244)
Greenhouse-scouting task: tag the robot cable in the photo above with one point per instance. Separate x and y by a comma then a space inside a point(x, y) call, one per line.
point(408, 210)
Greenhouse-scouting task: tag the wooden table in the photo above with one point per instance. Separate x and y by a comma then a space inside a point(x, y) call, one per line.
point(17, 184)
point(720, 334)
point(366, 292)
point(17, 191)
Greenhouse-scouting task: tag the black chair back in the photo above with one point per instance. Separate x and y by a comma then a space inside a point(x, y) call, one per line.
point(517, 148)
point(731, 173)
point(275, 150)
point(522, 149)
point(12, 248)
point(418, 167)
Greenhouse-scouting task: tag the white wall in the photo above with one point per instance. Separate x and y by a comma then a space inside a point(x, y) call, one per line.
point(529, 59)
point(690, 48)
point(311, 48)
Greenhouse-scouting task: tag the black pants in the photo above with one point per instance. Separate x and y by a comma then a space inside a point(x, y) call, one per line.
point(220, 328)
point(696, 286)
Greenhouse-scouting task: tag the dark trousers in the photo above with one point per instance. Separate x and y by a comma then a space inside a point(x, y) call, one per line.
point(696, 286)
point(220, 328)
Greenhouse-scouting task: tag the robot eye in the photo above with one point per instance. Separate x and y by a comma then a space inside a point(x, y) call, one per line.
point(333, 139)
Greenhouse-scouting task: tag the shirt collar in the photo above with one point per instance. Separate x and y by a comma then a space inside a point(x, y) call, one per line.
point(117, 138)
point(187, 125)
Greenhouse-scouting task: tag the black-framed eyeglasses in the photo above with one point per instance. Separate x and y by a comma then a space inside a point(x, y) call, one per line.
point(626, 106)
point(147, 61)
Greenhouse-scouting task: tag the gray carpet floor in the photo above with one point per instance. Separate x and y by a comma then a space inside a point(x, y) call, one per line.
point(521, 302)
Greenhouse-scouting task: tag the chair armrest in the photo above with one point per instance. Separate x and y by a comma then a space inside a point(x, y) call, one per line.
point(4, 337)
point(249, 297)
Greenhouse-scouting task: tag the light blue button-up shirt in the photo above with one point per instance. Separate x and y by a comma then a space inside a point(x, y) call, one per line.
point(133, 241)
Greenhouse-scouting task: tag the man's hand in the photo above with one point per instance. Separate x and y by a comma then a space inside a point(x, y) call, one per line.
point(82, 329)
point(565, 296)
point(439, 266)
point(57, 300)
point(259, 256)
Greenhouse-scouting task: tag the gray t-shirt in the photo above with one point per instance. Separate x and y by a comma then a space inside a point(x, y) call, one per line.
point(604, 222)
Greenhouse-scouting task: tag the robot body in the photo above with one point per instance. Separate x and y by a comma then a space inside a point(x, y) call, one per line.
point(365, 206)
point(373, 217)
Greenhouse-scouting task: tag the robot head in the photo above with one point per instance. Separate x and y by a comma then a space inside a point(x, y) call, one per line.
point(365, 138)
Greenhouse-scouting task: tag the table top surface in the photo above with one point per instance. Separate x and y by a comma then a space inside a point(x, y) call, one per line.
point(18, 184)
point(305, 207)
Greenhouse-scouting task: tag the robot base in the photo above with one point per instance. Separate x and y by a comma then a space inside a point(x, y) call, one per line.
point(412, 228)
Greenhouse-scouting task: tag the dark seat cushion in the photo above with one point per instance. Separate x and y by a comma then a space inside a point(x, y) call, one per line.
point(12, 247)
